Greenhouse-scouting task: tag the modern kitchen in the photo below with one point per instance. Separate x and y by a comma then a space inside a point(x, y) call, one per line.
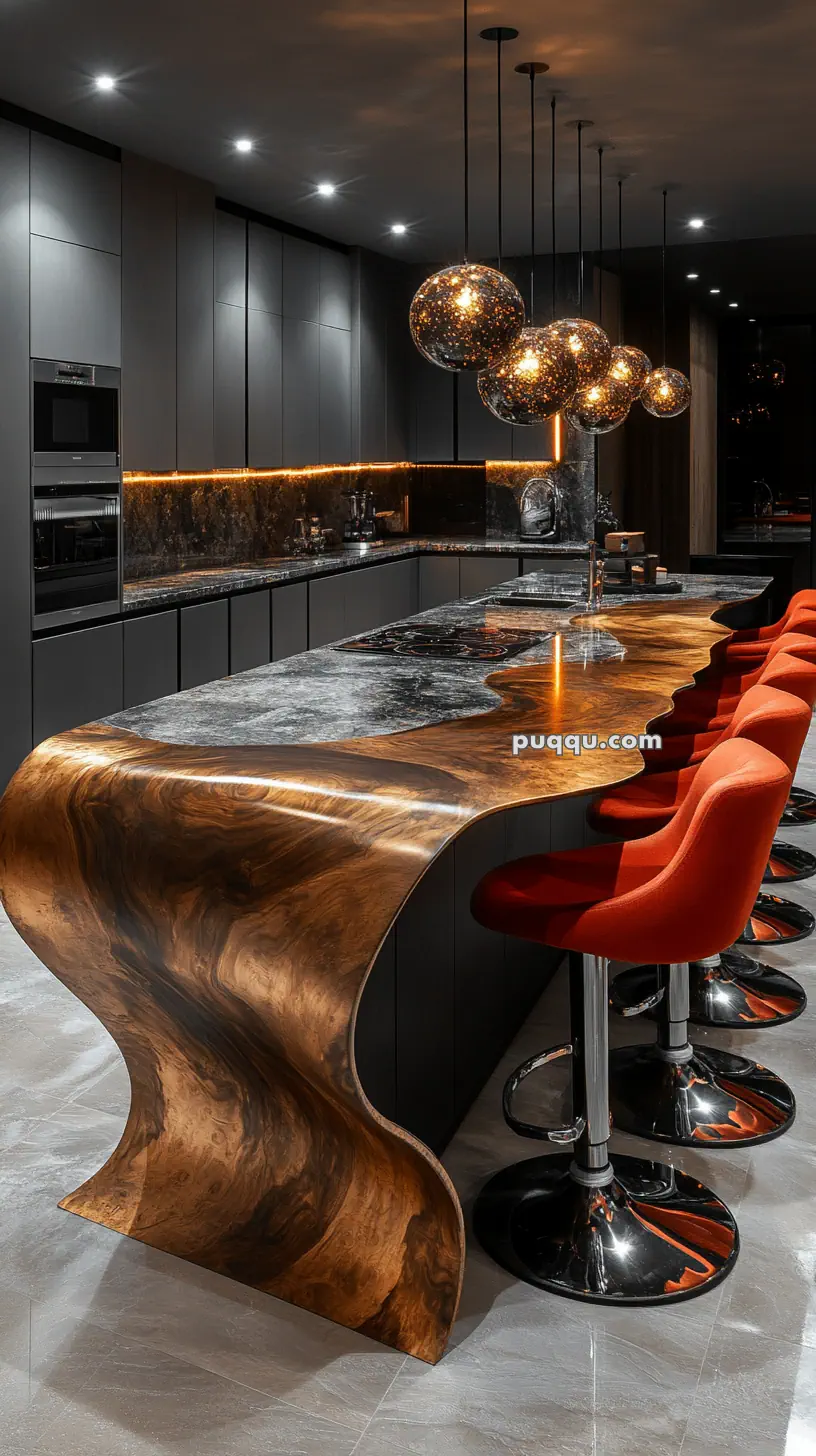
point(408, 817)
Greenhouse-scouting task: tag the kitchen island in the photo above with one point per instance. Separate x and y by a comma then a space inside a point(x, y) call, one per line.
point(215, 875)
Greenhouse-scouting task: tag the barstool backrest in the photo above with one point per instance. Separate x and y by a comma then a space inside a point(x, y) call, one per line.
point(777, 720)
point(714, 852)
point(791, 675)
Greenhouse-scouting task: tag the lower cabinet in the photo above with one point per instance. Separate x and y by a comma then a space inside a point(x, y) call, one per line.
point(290, 620)
point(250, 631)
point(203, 643)
point(77, 678)
point(327, 610)
point(479, 573)
point(438, 581)
point(151, 667)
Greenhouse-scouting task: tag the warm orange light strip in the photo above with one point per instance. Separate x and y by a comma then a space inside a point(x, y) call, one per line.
point(557, 428)
point(221, 477)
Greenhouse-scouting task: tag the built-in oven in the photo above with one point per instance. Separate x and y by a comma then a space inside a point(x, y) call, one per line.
point(76, 553)
point(74, 415)
point(76, 489)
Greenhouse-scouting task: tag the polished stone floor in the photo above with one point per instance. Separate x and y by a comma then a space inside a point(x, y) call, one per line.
point(108, 1348)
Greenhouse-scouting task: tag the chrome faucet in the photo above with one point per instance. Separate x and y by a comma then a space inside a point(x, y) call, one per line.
point(595, 579)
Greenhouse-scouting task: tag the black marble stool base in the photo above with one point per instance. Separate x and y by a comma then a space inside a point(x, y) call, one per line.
point(774, 921)
point(787, 864)
point(623, 1232)
point(651, 1235)
point(690, 1095)
point(800, 808)
point(730, 990)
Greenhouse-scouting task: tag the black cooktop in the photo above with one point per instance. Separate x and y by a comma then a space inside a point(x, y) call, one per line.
point(432, 639)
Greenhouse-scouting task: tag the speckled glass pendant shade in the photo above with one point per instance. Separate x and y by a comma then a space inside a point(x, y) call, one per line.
point(468, 316)
point(667, 392)
point(538, 377)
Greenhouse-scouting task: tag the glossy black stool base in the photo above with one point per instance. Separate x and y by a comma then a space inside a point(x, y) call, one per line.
point(774, 921)
point(713, 1100)
point(787, 864)
point(738, 993)
point(651, 1236)
point(800, 808)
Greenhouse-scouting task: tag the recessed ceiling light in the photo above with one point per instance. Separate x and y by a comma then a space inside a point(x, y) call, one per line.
point(326, 189)
point(104, 83)
point(399, 228)
point(713, 290)
point(696, 222)
point(733, 305)
point(243, 144)
point(752, 321)
point(692, 275)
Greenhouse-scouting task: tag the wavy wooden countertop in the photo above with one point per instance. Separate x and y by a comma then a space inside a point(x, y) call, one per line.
point(219, 906)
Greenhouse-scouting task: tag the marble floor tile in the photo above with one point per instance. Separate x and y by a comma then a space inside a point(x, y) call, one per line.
point(141, 1402)
point(21, 1108)
point(756, 1395)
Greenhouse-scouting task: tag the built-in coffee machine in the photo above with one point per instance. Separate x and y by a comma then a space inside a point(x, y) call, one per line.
point(76, 488)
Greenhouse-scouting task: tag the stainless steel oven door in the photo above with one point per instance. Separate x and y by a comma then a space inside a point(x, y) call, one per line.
point(76, 556)
point(74, 414)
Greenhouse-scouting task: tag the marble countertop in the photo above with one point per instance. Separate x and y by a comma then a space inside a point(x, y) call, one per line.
point(325, 695)
point(197, 582)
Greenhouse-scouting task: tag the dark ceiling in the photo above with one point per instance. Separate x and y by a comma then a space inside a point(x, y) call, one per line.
point(715, 99)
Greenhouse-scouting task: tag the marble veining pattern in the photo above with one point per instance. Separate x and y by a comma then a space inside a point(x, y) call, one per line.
point(201, 582)
point(324, 695)
point(108, 1348)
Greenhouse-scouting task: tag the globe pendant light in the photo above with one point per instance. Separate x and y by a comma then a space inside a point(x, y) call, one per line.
point(538, 376)
point(466, 317)
point(587, 342)
point(601, 407)
point(667, 392)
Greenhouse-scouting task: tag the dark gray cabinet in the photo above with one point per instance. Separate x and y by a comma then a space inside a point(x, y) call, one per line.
point(425, 1007)
point(76, 195)
point(290, 620)
point(151, 668)
point(532, 442)
point(203, 643)
point(194, 325)
point(148, 315)
point(301, 391)
point(481, 435)
point(335, 396)
point(264, 389)
point(250, 626)
point(230, 383)
point(301, 280)
point(327, 609)
point(15, 457)
point(438, 581)
point(479, 573)
point(265, 269)
point(375, 1032)
point(76, 303)
point(481, 1027)
point(434, 401)
point(335, 289)
point(230, 259)
point(77, 678)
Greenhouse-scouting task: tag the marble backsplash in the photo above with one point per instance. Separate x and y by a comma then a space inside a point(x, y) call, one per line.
point(227, 518)
point(174, 522)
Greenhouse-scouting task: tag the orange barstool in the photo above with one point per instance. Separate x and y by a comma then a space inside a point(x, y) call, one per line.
point(636, 1232)
point(730, 989)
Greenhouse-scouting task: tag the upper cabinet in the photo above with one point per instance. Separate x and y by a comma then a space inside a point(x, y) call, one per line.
point(230, 259)
point(76, 303)
point(335, 289)
point(301, 280)
point(265, 269)
point(148, 315)
point(76, 195)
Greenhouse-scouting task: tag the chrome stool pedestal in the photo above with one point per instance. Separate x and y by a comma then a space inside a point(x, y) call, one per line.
point(731, 990)
point(628, 1232)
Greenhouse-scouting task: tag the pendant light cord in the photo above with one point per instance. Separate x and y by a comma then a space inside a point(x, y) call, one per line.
point(499, 157)
point(620, 260)
point(600, 235)
point(466, 129)
point(532, 196)
point(580, 227)
point(663, 268)
point(552, 200)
